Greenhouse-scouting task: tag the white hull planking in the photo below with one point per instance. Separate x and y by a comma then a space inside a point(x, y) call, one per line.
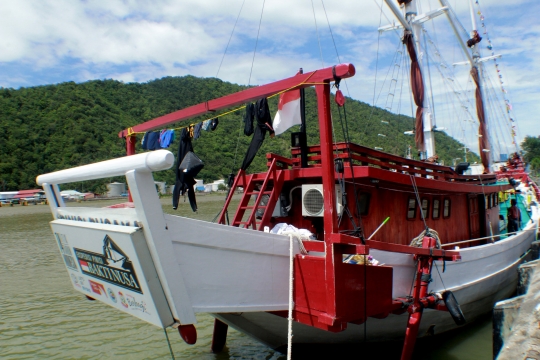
point(231, 269)
point(485, 275)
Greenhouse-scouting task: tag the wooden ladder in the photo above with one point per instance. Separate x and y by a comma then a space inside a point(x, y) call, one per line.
point(256, 185)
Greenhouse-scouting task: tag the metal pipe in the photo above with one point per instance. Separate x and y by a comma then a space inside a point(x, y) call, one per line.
point(473, 18)
point(456, 32)
point(398, 14)
point(150, 161)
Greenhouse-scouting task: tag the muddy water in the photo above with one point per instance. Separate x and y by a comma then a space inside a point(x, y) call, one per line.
point(41, 316)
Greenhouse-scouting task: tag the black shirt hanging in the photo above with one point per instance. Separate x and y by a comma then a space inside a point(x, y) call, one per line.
point(184, 181)
point(248, 119)
point(264, 124)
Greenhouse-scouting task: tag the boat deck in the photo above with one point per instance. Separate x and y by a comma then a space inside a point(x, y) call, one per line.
point(521, 204)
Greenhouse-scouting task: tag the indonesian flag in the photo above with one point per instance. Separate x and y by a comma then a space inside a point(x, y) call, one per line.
point(84, 265)
point(288, 111)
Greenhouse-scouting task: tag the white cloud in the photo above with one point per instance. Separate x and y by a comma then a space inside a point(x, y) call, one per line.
point(64, 40)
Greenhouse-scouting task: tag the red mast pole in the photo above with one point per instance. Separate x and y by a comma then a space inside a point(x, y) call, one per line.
point(130, 144)
point(328, 180)
point(298, 81)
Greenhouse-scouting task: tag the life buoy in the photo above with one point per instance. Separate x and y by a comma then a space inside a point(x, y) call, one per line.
point(453, 307)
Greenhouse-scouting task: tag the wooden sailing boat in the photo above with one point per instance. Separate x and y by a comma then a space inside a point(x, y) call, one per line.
point(340, 192)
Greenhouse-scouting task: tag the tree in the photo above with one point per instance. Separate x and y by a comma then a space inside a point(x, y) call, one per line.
point(535, 166)
point(531, 146)
point(54, 127)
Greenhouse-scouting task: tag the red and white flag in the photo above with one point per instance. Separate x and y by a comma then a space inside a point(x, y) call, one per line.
point(84, 265)
point(288, 111)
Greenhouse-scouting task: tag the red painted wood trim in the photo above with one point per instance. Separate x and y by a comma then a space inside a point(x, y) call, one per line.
point(405, 179)
point(313, 245)
point(343, 239)
point(342, 70)
point(394, 180)
point(367, 155)
point(327, 158)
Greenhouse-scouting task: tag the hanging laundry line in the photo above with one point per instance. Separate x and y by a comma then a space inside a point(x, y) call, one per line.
point(130, 131)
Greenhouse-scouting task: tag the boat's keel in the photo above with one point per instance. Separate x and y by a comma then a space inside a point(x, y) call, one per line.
point(219, 336)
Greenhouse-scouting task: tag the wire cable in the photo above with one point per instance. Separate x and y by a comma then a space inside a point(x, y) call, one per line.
point(230, 37)
point(256, 43)
point(317, 30)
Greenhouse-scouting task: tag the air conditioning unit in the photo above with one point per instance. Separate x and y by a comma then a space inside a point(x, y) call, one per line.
point(313, 200)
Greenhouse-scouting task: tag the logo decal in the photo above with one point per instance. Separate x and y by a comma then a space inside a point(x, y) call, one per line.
point(123, 300)
point(97, 288)
point(113, 266)
point(112, 296)
point(75, 281)
point(135, 304)
point(66, 251)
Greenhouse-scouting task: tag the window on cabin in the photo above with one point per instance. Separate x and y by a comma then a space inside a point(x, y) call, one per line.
point(436, 209)
point(487, 200)
point(446, 208)
point(425, 208)
point(411, 210)
point(495, 199)
point(362, 205)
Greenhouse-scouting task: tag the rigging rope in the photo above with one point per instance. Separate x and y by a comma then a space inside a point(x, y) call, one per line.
point(256, 42)
point(291, 300)
point(436, 267)
point(510, 116)
point(334, 41)
point(230, 37)
point(358, 230)
point(317, 29)
point(169, 343)
point(415, 187)
point(305, 82)
point(376, 62)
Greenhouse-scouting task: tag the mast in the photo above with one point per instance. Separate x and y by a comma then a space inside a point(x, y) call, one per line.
point(424, 136)
point(477, 75)
point(411, 12)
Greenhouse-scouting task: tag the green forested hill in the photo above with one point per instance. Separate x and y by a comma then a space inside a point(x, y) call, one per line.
point(53, 127)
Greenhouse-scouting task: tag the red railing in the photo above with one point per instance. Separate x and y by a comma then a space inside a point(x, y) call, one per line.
point(365, 156)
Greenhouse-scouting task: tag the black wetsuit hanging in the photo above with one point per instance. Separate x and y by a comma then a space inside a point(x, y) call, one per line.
point(184, 181)
point(264, 124)
point(248, 119)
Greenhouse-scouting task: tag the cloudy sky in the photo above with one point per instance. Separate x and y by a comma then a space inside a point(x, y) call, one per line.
point(53, 41)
